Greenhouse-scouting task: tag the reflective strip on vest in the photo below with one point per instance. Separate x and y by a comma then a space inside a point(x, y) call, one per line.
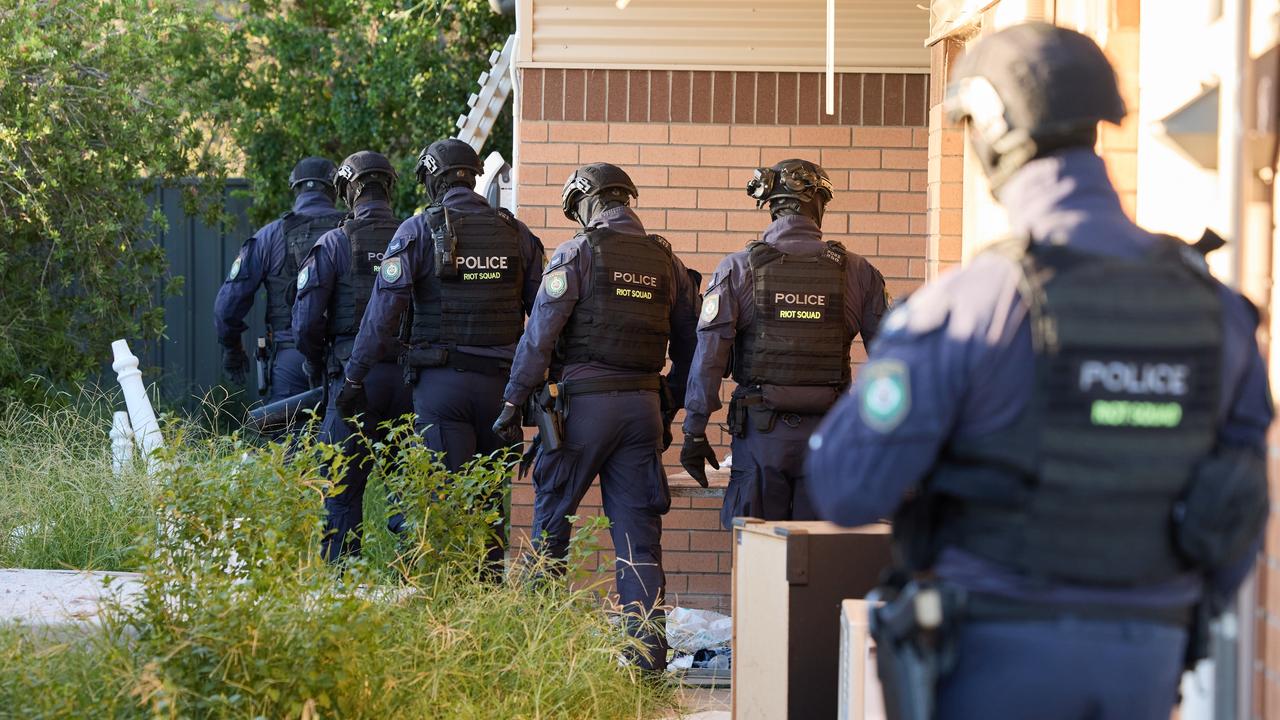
point(800, 336)
point(481, 305)
point(626, 319)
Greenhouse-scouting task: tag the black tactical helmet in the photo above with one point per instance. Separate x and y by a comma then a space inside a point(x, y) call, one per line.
point(604, 180)
point(1029, 90)
point(312, 172)
point(792, 187)
point(361, 169)
point(438, 159)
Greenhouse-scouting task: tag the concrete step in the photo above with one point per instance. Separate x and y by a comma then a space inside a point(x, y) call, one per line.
point(53, 598)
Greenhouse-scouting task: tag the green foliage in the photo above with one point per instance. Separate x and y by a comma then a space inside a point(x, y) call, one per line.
point(240, 617)
point(87, 88)
point(331, 77)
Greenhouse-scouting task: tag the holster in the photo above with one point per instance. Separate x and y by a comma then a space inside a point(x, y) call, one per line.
point(414, 359)
point(749, 407)
point(264, 358)
point(914, 629)
point(548, 411)
point(1198, 636)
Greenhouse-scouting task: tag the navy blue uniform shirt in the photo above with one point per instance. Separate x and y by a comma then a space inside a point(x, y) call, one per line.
point(380, 327)
point(966, 343)
point(550, 314)
point(260, 256)
point(329, 260)
point(733, 285)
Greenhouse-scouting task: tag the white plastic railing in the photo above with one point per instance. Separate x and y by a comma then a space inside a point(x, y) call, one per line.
point(146, 430)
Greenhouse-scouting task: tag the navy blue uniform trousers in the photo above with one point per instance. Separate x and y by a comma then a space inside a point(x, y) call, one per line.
point(455, 411)
point(287, 376)
point(388, 400)
point(767, 477)
point(1066, 669)
point(618, 437)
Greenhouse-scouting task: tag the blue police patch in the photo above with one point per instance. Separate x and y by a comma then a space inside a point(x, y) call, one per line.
point(556, 283)
point(885, 395)
point(390, 270)
point(304, 275)
point(235, 268)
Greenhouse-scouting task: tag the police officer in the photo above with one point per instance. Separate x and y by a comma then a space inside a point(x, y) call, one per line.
point(1068, 432)
point(780, 316)
point(334, 286)
point(470, 274)
point(609, 301)
point(272, 258)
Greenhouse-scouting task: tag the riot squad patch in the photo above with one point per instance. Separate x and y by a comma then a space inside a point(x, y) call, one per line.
point(390, 270)
point(235, 269)
point(632, 285)
point(555, 283)
point(1128, 393)
point(799, 305)
point(484, 268)
point(885, 387)
point(710, 307)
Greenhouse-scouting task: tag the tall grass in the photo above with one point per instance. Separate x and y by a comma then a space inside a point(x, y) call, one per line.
point(241, 618)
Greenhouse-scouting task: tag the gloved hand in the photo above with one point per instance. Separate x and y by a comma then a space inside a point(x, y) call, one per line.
point(507, 426)
point(351, 400)
point(315, 377)
point(667, 437)
point(695, 452)
point(235, 363)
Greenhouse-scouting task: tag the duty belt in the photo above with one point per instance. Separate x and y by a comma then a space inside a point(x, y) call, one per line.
point(650, 383)
point(981, 607)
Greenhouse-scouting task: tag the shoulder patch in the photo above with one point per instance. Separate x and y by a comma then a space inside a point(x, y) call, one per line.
point(390, 270)
point(304, 277)
point(710, 307)
point(662, 242)
point(235, 267)
point(394, 246)
point(563, 256)
point(555, 283)
point(885, 394)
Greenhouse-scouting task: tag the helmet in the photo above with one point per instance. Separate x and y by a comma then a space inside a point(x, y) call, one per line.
point(792, 187)
point(595, 180)
point(446, 163)
point(362, 169)
point(312, 172)
point(1031, 89)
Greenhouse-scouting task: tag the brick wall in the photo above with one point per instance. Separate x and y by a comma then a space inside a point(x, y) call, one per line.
point(691, 140)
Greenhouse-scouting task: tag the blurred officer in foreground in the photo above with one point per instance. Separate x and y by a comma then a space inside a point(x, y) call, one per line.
point(610, 300)
point(780, 317)
point(470, 274)
point(334, 285)
point(272, 258)
point(1068, 432)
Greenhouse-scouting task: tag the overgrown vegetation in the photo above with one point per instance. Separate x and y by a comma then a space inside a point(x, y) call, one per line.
point(240, 617)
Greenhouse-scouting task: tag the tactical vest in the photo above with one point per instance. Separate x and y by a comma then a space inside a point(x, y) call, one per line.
point(625, 321)
point(368, 238)
point(1084, 487)
point(800, 336)
point(479, 302)
point(300, 233)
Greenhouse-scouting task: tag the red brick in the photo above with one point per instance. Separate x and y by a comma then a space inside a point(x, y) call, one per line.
point(540, 195)
point(754, 221)
point(647, 176)
point(882, 136)
point(855, 201)
point(743, 157)
point(531, 94)
point(880, 223)
point(681, 84)
point(744, 93)
point(654, 219)
point(553, 95)
point(903, 202)
point(575, 95)
point(638, 133)
point(660, 96)
point(726, 563)
point(873, 99)
point(722, 97)
point(855, 158)
point(597, 95)
point(771, 155)
point(905, 159)
point(821, 136)
point(851, 98)
point(617, 96)
point(690, 562)
point(610, 153)
point(681, 242)
point(695, 220)
point(865, 245)
point(724, 243)
point(899, 267)
point(533, 131)
point(788, 97)
point(548, 153)
point(706, 502)
point(809, 91)
point(675, 539)
point(894, 99)
point(668, 155)
point(900, 288)
point(879, 180)
point(902, 246)
point(766, 98)
point(718, 583)
point(917, 95)
point(699, 177)
point(578, 132)
point(660, 197)
point(759, 135)
point(638, 96)
point(711, 539)
point(919, 181)
point(724, 199)
point(699, 134)
point(701, 97)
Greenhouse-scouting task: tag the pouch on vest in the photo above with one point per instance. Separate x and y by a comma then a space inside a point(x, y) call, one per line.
point(1224, 509)
point(799, 399)
point(443, 241)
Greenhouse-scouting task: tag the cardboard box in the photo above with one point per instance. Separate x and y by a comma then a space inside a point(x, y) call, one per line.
point(789, 579)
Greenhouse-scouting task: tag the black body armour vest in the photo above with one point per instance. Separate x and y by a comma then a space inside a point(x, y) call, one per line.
point(300, 233)
point(626, 320)
point(368, 238)
point(800, 336)
point(479, 301)
point(1084, 487)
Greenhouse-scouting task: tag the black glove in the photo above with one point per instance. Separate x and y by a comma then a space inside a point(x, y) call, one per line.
point(235, 363)
point(351, 400)
point(315, 377)
point(530, 455)
point(507, 426)
point(667, 437)
point(694, 453)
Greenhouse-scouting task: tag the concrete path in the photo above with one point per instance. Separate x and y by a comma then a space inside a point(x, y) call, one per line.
point(61, 597)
